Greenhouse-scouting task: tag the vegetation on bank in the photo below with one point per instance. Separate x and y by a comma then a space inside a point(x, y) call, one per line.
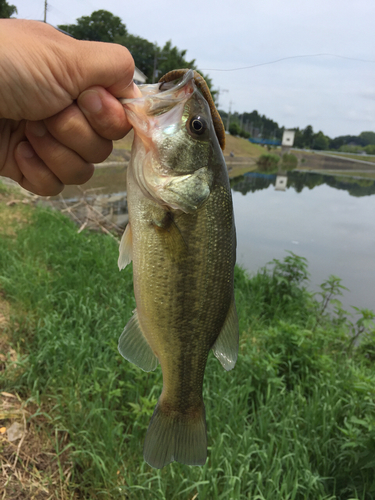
point(293, 420)
point(270, 163)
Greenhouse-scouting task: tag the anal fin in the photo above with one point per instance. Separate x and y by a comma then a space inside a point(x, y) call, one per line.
point(226, 345)
point(134, 347)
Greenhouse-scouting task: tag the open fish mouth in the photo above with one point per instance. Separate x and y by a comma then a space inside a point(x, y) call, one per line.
point(173, 88)
point(159, 93)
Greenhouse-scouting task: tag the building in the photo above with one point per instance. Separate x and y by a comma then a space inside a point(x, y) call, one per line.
point(288, 138)
point(139, 77)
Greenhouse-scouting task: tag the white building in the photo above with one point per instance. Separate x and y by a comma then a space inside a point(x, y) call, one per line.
point(139, 77)
point(281, 181)
point(288, 138)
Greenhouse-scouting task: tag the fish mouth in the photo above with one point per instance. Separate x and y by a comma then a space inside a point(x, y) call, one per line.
point(163, 95)
point(159, 111)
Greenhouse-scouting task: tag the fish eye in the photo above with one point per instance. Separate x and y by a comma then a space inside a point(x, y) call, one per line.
point(198, 125)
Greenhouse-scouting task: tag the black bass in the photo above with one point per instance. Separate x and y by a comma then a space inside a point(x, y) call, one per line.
point(181, 238)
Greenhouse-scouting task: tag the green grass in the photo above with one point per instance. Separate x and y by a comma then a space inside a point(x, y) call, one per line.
point(295, 419)
point(367, 158)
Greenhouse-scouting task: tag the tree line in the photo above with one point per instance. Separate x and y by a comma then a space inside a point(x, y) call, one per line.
point(259, 126)
point(154, 61)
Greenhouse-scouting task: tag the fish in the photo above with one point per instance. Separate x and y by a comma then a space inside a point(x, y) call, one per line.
point(181, 238)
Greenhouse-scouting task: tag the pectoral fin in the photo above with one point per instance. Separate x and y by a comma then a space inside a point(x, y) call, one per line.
point(171, 236)
point(125, 251)
point(226, 345)
point(134, 347)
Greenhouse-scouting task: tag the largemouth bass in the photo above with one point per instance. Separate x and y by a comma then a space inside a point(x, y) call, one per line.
point(181, 238)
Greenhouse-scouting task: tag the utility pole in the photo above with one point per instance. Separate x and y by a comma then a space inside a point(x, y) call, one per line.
point(228, 119)
point(155, 64)
point(45, 11)
point(219, 91)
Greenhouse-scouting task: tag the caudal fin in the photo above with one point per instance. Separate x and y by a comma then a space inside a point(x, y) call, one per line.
point(176, 437)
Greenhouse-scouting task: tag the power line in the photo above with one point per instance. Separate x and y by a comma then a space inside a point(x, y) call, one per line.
point(291, 57)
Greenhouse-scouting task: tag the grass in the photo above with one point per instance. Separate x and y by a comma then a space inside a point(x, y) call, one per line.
point(295, 419)
point(241, 147)
point(368, 158)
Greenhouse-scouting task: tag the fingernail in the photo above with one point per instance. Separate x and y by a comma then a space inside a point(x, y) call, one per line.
point(90, 101)
point(25, 150)
point(37, 128)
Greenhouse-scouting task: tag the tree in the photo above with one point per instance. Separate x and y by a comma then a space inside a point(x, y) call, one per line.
point(101, 26)
point(142, 50)
point(234, 129)
point(171, 57)
point(367, 138)
point(320, 141)
point(308, 136)
point(6, 10)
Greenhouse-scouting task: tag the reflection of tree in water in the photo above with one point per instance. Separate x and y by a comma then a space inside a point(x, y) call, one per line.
point(254, 181)
point(299, 180)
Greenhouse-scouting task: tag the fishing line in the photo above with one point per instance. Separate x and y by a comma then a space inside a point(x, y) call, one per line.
point(290, 57)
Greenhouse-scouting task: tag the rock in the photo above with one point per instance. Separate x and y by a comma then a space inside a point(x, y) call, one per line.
point(15, 431)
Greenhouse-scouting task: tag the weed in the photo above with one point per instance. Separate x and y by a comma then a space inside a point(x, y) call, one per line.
point(293, 420)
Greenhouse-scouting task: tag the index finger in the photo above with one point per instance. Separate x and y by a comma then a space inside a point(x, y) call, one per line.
point(105, 113)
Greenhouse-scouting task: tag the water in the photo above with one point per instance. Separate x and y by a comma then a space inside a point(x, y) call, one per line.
point(328, 220)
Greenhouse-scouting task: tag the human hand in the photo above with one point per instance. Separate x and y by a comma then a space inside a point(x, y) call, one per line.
point(58, 106)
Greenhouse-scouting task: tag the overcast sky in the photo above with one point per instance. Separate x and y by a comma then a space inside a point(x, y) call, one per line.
point(333, 94)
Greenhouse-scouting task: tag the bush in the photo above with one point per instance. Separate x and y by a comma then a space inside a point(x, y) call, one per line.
point(351, 149)
point(234, 129)
point(268, 163)
point(289, 161)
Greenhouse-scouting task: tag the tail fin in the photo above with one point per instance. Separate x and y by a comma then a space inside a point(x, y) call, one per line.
point(176, 436)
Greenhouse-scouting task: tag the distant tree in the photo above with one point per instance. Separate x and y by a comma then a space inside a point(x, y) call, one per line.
point(142, 50)
point(244, 134)
point(149, 57)
point(298, 138)
point(367, 138)
point(307, 134)
point(234, 129)
point(6, 10)
point(337, 142)
point(320, 141)
point(101, 26)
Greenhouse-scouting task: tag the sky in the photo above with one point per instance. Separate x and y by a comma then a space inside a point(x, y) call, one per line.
point(325, 52)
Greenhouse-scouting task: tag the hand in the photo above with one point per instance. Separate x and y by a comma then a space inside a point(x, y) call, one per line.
point(58, 106)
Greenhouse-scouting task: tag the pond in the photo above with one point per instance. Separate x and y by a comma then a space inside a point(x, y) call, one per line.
point(329, 220)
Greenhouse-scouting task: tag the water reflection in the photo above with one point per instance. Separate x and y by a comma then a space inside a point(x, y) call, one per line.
point(329, 223)
point(256, 181)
